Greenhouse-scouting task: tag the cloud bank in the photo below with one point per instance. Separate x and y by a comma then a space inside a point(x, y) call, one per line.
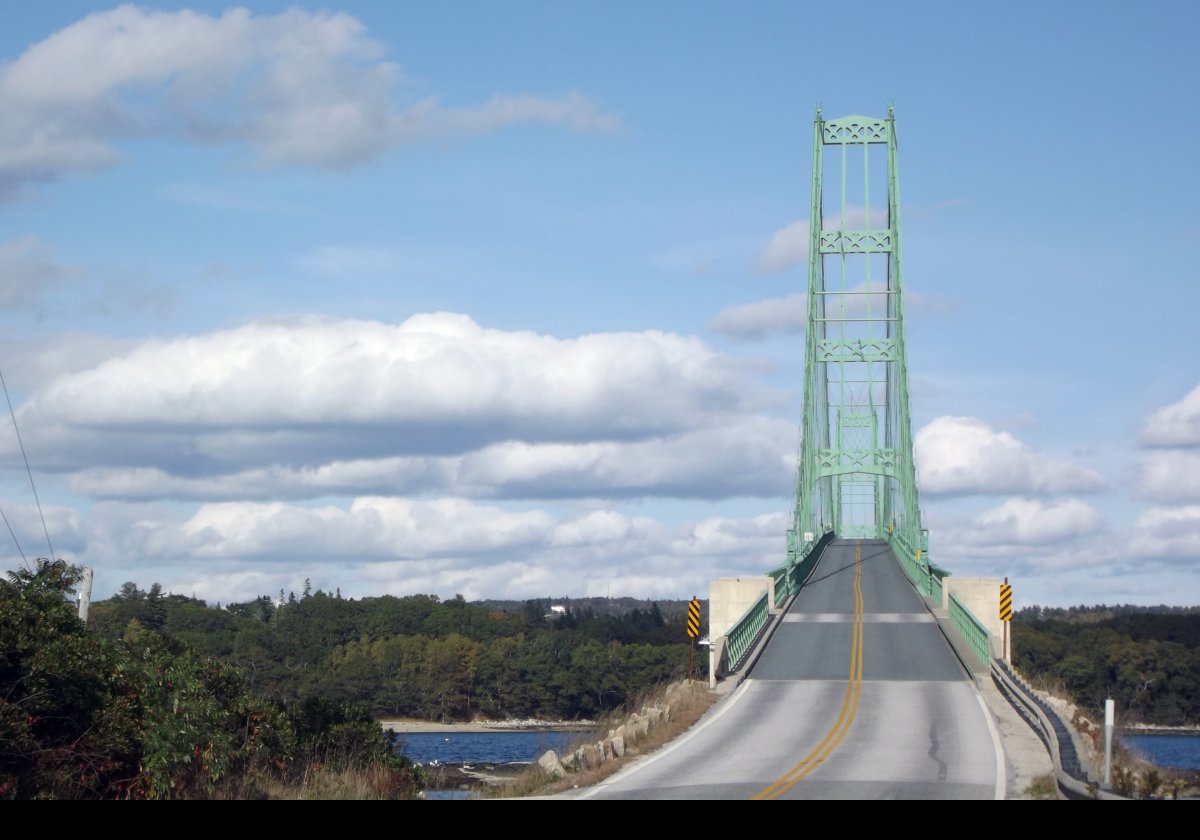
point(964, 455)
point(300, 88)
point(437, 404)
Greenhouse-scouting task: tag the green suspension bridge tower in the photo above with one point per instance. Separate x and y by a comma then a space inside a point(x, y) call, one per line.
point(856, 476)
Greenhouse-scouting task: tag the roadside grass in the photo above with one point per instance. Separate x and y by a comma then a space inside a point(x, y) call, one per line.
point(1043, 787)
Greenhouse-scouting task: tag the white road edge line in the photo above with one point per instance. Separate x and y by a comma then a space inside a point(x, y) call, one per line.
point(991, 724)
point(645, 761)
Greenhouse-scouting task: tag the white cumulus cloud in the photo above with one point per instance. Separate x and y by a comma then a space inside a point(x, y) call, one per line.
point(1171, 475)
point(758, 319)
point(1170, 533)
point(763, 317)
point(1036, 522)
point(1177, 424)
point(300, 87)
point(438, 370)
point(965, 455)
point(751, 456)
point(436, 404)
point(789, 245)
point(239, 550)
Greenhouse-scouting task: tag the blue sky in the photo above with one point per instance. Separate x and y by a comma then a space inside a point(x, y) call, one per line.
point(499, 299)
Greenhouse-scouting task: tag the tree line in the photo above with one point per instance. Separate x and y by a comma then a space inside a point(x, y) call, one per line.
point(1146, 658)
point(419, 656)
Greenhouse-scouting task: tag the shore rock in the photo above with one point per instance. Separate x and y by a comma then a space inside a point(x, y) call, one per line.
point(550, 763)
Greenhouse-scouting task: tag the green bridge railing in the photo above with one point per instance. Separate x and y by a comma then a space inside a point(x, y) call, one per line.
point(787, 583)
point(972, 629)
point(926, 576)
point(745, 630)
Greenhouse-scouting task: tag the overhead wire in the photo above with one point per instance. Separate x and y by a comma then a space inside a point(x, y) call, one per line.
point(28, 471)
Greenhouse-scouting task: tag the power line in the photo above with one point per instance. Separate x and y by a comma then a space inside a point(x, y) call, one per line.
point(24, 559)
point(13, 414)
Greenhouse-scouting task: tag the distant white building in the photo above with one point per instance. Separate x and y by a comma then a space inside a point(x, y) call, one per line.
point(558, 609)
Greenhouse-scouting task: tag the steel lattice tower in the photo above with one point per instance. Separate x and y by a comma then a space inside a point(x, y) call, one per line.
point(856, 474)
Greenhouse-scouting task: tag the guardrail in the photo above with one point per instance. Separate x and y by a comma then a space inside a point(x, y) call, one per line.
point(781, 585)
point(803, 570)
point(971, 628)
point(926, 581)
point(1056, 737)
point(745, 630)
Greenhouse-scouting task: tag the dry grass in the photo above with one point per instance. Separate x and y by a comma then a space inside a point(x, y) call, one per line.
point(686, 709)
point(323, 782)
point(1043, 787)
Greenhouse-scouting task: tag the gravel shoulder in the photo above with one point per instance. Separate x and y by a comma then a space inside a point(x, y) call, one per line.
point(1026, 760)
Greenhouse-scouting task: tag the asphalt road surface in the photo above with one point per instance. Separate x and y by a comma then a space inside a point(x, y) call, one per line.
point(857, 696)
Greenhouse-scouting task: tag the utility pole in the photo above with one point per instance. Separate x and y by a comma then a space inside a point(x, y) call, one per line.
point(85, 594)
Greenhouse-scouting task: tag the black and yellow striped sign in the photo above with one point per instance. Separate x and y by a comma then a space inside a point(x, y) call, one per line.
point(693, 618)
point(1005, 602)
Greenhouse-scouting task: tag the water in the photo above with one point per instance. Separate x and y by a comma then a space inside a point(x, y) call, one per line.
point(1181, 752)
point(481, 747)
point(431, 749)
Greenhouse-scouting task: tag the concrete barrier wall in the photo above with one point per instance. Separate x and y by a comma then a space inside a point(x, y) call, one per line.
point(981, 596)
point(729, 598)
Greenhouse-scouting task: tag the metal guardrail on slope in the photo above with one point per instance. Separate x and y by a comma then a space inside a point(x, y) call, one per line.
point(1068, 771)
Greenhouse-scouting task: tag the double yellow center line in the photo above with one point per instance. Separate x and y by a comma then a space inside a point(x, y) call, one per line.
point(849, 703)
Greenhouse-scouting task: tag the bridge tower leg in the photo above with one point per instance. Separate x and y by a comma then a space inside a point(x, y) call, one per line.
point(856, 474)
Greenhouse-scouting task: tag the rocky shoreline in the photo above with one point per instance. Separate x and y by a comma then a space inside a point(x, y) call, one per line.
point(1149, 729)
point(470, 778)
point(406, 725)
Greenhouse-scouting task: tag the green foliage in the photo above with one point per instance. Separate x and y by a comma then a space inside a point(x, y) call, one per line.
point(56, 736)
point(145, 716)
point(1150, 783)
point(421, 657)
point(1146, 659)
point(165, 697)
point(1124, 781)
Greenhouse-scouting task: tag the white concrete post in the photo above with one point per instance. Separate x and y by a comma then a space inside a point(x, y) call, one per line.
point(1109, 717)
point(85, 594)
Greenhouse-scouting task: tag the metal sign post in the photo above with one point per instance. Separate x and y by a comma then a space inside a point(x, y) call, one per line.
point(1006, 617)
point(693, 630)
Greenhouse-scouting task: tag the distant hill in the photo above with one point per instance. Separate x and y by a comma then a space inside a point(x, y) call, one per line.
point(1100, 612)
point(598, 606)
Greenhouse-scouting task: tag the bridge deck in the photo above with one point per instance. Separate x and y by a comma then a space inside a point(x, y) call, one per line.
point(856, 696)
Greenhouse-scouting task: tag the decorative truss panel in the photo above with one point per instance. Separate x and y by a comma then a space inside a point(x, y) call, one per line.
point(834, 350)
point(857, 421)
point(856, 130)
point(857, 242)
point(870, 461)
